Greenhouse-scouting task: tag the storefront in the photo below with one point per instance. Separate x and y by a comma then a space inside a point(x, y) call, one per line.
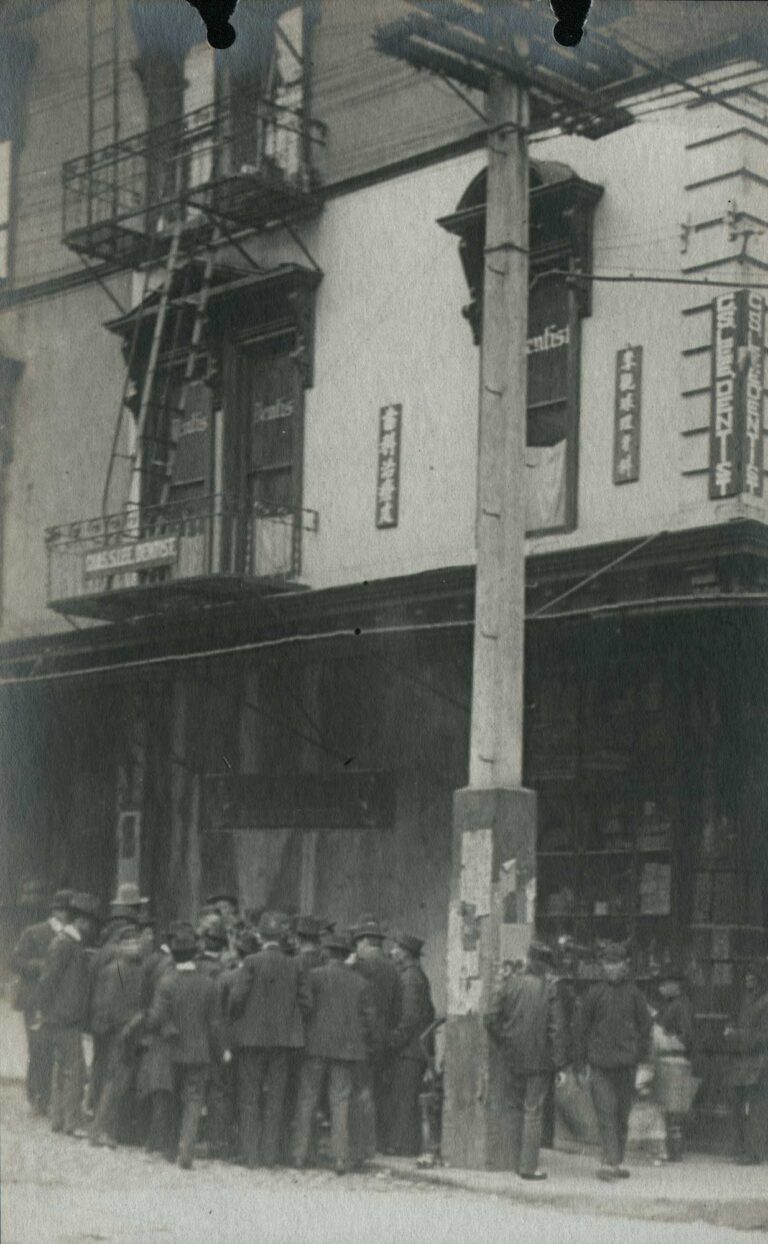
point(319, 775)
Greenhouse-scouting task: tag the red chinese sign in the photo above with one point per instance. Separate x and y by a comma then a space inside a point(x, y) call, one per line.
point(626, 425)
point(736, 450)
point(388, 466)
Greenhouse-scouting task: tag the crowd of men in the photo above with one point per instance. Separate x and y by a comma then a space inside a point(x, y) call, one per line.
point(268, 1040)
point(262, 1040)
point(554, 1038)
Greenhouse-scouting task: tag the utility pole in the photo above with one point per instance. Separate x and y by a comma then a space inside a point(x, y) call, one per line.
point(494, 838)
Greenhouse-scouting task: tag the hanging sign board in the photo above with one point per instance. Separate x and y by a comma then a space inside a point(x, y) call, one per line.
point(388, 466)
point(136, 555)
point(626, 415)
point(298, 800)
point(736, 450)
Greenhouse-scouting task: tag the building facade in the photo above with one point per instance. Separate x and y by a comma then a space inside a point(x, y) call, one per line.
point(239, 326)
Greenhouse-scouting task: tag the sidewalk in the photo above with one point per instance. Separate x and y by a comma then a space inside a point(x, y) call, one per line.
point(701, 1189)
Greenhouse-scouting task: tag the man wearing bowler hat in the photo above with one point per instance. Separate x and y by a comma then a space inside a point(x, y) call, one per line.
point(337, 1033)
point(186, 1012)
point(526, 1020)
point(28, 960)
point(410, 1060)
point(65, 987)
point(268, 999)
point(386, 996)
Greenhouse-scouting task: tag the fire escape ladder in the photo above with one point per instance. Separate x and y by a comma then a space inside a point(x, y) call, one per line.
point(138, 455)
point(103, 52)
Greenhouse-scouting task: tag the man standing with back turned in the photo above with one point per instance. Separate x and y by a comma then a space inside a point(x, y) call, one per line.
point(525, 1018)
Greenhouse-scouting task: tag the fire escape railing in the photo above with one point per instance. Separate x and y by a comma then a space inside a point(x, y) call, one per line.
point(249, 164)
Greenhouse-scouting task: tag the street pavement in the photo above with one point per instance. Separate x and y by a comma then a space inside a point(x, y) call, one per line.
point(63, 1192)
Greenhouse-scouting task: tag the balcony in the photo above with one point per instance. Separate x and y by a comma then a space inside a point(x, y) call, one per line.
point(245, 167)
point(170, 557)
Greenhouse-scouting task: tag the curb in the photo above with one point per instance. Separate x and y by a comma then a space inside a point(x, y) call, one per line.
point(739, 1215)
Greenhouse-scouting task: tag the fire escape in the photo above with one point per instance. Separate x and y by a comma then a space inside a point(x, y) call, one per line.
point(179, 203)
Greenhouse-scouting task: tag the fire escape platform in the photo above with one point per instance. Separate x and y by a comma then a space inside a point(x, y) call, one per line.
point(173, 596)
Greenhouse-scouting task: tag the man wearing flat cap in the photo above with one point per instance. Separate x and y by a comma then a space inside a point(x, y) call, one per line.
point(386, 995)
point(65, 987)
point(614, 1030)
point(525, 1018)
point(410, 1060)
point(27, 961)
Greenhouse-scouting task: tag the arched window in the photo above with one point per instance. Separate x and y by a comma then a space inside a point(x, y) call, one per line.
point(561, 209)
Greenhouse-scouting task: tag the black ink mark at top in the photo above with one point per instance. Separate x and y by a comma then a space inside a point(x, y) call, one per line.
point(216, 15)
point(571, 16)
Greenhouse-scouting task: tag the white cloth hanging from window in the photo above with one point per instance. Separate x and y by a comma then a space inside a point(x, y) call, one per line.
point(545, 483)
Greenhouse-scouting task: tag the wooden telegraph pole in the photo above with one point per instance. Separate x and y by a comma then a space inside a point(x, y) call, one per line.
point(494, 850)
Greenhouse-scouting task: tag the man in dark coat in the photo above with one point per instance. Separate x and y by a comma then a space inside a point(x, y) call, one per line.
point(119, 1001)
point(124, 911)
point(27, 961)
point(338, 1028)
point(186, 1012)
point(64, 1001)
point(525, 1017)
point(386, 995)
point(748, 1039)
point(268, 998)
point(217, 961)
point(306, 946)
point(410, 1061)
point(614, 1036)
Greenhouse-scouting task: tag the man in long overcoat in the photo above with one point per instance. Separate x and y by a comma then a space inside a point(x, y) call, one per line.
point(27, 961)
point(526, 1019)
point(410, 1057)
point(64, 1000)
point(386, 996)
point(748, 1039)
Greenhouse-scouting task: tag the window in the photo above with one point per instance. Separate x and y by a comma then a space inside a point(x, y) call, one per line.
point(561, 208)
point(5, 208)
point(552, 336)
point(273, 432)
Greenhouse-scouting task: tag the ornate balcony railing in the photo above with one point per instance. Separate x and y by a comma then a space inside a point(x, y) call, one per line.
point(251, 164)
point(203, 546)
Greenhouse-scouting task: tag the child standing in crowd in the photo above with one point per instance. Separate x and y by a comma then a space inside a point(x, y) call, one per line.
point(673, 1075)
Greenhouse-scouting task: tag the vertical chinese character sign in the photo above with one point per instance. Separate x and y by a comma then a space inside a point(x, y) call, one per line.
point(388, 466)
point(736, 451)
point(626, 427)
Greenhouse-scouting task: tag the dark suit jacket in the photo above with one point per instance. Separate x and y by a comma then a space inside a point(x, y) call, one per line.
point(614, 1025)
point(525, 1017)
point(417, 1013)
point(187, 1013)
point(341, 1016)
point(267, 1000)
point(65, 983)
point(27, 961)
point(116, 996)
point(386, 995)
